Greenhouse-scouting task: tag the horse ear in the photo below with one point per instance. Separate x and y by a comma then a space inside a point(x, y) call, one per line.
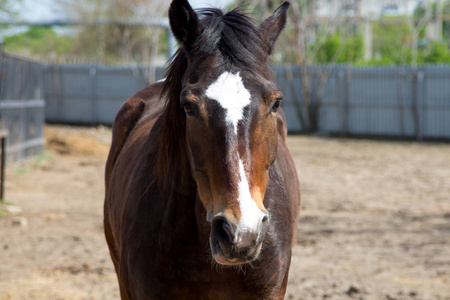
point(184, 23)
point(273, 25)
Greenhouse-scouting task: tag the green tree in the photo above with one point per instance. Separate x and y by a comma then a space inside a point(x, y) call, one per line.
point(437, 53)
point(338, 49)
point(114, 41)
point(39, 42)
point(391, 41)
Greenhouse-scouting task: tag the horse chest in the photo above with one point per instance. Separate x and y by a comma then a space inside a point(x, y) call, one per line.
point(194, 281)
point(182, 269)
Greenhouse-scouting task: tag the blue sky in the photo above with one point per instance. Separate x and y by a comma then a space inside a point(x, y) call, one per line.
point(207, 3)
point(38, 10)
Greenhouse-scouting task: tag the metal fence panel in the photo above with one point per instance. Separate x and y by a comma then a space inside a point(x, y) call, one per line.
point(436, 102)
point(394, 101)
point(21, 106)
point(331, 109)
point(21, 79)
point(287, 77)
point(371, 101)
point(373, 105)
point(90, 94)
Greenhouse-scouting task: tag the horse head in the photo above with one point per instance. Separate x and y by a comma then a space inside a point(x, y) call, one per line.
point(230, 100)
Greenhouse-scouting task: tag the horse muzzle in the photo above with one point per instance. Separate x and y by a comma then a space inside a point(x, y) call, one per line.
point(235, 244)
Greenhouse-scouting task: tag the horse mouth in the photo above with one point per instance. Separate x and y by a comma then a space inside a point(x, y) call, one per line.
point(231, 255)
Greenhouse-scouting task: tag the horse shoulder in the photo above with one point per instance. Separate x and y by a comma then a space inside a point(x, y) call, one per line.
point(145, 101)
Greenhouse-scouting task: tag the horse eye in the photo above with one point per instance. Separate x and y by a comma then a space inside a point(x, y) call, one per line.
point(276, 105)
point(189, 109)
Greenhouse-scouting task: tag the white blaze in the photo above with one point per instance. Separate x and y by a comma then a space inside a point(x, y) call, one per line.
point(250, 213)
point(229, 91)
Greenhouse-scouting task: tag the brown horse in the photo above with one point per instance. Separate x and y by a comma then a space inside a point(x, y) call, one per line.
point(202, 196)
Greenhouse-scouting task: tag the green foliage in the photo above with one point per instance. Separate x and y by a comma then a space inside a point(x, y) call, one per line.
point(328, 49)
point(420, 11)
point(38, 41)
point(437, 53)
point(354, 49)
point(390, 41)
point(392, 45)
point(383, 61)
point(117, 43)
point(336, 49)
point(433, 53)
point(106, 43)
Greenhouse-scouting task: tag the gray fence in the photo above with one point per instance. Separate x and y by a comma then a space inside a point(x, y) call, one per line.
point(90, 94)
point(343, 100)
point(21, 106)
point(372, 101)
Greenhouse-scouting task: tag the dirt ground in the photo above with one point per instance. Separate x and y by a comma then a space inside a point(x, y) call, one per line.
point(375, 220)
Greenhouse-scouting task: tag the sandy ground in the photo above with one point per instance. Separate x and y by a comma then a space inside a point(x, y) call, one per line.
point(375, 220)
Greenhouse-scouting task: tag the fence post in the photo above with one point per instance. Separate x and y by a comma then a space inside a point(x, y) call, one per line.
point(94, 115)
point(348, 79)
point(3, 135)
point(344, 79)
point(416, 108)
point(399, 85)
point(420, 107)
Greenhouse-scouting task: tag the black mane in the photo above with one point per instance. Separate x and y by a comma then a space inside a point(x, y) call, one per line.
point(236, 37)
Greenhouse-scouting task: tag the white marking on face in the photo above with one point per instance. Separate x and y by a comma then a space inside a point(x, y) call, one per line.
point(251, 215)
point(229, 91)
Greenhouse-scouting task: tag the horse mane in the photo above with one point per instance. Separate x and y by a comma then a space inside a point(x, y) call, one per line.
point(241, 44)
point(235, 36)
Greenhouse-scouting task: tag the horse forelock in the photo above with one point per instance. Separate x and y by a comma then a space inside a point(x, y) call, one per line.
point(235, 36)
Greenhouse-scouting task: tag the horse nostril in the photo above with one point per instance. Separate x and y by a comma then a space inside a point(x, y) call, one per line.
point(265, 219)
point(223, 230)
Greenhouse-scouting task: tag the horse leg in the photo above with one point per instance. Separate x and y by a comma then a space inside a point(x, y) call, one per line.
point(114, 254)
point(284, 283)
point(123, 292)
